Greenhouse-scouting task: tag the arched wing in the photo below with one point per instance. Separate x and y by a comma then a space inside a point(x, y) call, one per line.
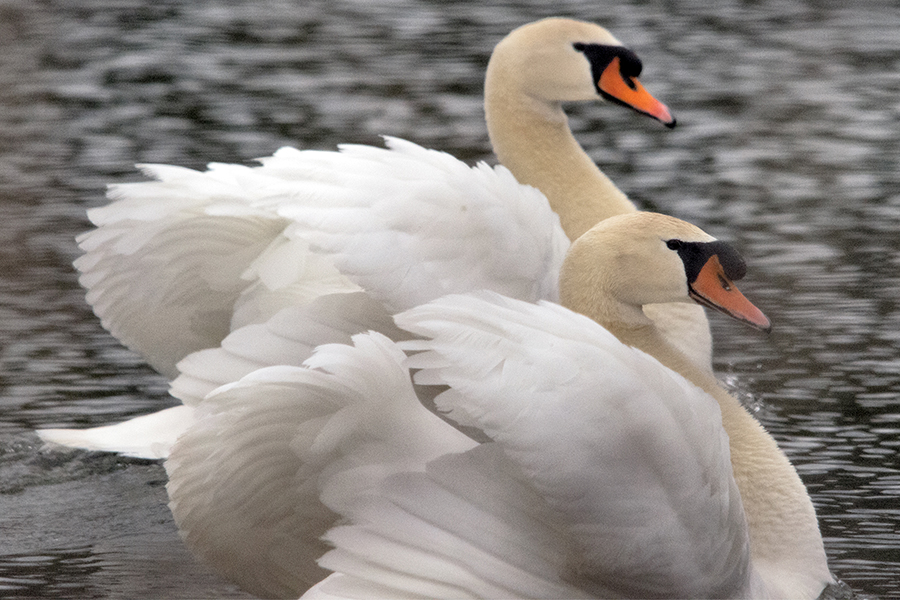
point(177, 263)
point(629, 454)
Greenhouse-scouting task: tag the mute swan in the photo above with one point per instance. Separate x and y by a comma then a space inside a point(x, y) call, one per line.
point(178, 263)
point(606, 473)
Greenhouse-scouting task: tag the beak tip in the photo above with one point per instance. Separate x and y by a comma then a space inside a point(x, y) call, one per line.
point(671, 124)
point(763, 324)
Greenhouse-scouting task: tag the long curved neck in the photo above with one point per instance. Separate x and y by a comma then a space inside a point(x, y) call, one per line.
point(532, 139)
point(784, 533)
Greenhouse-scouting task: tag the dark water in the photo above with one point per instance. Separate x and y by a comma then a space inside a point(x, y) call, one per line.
point(787, 144)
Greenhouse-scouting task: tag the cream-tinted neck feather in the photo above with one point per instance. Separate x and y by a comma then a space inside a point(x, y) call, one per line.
point(531, 72)
point(613, 270)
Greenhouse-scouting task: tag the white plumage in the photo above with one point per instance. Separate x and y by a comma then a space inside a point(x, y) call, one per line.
point(588, 469)
point(178, 263)
point(597, 470)
point(606, 473)
point(178, 266)
point(244, 484)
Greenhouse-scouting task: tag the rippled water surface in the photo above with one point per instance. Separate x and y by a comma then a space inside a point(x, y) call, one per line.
point(787, 144)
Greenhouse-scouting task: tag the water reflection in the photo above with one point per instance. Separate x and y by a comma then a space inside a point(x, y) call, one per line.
point(54, 573)
point(787, 145)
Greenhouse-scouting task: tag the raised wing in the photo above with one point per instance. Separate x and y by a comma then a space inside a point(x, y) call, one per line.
point(178, 262)
point(409, 224)
point(606, 474)
point(245, 479)
point(630, 456)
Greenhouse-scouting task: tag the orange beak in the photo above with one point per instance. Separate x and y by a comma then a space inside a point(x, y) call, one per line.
point(714, 289)
point(632, 94)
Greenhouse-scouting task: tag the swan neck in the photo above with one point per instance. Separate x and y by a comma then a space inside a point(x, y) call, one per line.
point(531, 137)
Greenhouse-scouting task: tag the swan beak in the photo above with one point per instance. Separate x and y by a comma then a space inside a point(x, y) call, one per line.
point(632, 94)
point(714, 289)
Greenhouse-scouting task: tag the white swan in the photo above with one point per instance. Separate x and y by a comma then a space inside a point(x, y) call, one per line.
point(178, 263)
point(605, 472)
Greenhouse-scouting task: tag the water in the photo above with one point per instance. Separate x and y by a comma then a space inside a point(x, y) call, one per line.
point(787, 145)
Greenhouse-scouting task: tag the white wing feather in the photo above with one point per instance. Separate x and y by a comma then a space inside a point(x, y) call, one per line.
point(169, 287)
point(147, 436)
point(632, 456)
point(415, 224)
point(607, 474)
point(244, 481)
point(469, 526)
point(178, 262)
point(288, 338)
point(233, 485)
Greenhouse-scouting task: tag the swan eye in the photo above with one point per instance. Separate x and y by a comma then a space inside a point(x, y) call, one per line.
point(631, 65)
point(674, 244)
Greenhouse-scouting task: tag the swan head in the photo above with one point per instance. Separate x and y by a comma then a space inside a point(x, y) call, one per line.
point(628, 261)
point(562, 60)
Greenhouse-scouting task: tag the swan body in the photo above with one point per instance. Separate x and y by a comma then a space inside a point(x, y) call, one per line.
point(603, 468)
point(178, 264)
